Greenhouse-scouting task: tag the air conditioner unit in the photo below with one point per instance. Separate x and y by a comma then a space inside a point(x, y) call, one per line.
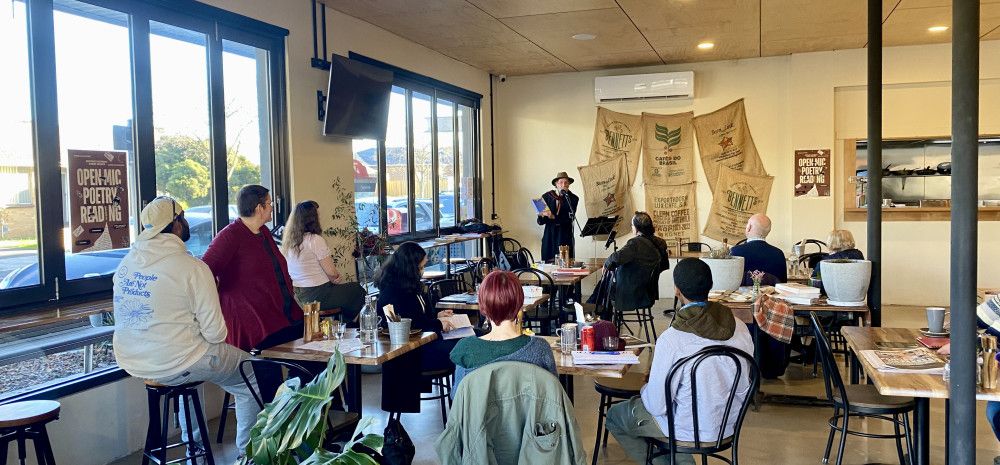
point(644, 87)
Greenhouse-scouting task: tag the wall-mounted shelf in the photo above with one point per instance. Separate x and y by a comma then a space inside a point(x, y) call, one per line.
point(918, 214)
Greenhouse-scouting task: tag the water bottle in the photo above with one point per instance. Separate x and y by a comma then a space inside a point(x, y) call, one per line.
point(369, 320)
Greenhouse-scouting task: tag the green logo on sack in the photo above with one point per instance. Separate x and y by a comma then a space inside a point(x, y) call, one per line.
point(665, 135)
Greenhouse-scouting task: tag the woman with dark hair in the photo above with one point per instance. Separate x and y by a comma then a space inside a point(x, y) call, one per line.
point(399, 285)
point(314, 276)
point(638, 266)
point(500, 300)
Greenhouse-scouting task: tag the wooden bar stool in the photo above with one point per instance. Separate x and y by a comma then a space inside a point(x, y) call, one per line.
point(157, 443)
point(613, 391)
point(21, 421)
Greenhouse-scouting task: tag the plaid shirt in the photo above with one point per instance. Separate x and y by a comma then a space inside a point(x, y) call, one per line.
point(777, 319)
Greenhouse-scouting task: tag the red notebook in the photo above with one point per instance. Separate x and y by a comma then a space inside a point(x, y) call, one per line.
point(933, 342)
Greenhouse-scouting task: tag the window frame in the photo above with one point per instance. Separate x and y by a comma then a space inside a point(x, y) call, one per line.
point(458, 97)
point(218, 25)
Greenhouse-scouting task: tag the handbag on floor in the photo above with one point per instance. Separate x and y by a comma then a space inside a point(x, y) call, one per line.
point(398, 448)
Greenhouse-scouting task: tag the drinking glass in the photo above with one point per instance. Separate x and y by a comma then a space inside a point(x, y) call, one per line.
point(341, 329)
point(610, 342)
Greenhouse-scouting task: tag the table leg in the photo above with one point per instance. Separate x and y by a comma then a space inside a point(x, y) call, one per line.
point(922, 431)
point(567, 383)
point(947, 430)
point(447, 260)
point(354, 388)
point(855, 368)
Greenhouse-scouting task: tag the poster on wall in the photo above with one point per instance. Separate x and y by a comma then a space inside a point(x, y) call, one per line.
point(98, 200)
point(606, 191)
point(739, 196)
point(674, 211)
point(667, 149)
point(724, 140)
point(812, 173)
point(617, 134)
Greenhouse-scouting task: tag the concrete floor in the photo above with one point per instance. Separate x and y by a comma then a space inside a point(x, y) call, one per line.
point(774, 435)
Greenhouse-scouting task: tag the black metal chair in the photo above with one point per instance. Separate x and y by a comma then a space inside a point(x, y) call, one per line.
point(613, 391)
point(859, 401)
point(442, 381)
point(740, 242)
point(818, 243)
point(685, 371)
point(812, 259)
point(446, 287)
point(508, 245)
point(698, 247)
point(482, 268)
point(340, 424)
point(544, 314)
point(621, 318)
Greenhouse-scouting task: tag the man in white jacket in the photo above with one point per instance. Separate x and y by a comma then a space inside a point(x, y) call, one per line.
point(168, 323)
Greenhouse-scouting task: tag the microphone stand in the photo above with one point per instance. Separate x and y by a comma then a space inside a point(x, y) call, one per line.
point(572, 214)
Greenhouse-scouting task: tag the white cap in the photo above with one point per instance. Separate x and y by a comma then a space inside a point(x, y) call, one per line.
point(156, 215)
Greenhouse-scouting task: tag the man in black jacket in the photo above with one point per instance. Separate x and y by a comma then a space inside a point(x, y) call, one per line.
point(637, 266)
point(558, 218)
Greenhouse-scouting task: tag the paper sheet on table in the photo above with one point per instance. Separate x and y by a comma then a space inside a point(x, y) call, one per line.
point(346, 345)
point(462, 325)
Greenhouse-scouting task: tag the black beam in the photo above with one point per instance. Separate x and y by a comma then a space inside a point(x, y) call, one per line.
point(964, 230)
point(874, 195)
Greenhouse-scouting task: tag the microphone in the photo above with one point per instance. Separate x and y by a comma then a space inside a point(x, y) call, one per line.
point(611, 238)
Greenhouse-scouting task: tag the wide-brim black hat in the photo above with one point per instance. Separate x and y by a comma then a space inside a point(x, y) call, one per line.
point(560, 175)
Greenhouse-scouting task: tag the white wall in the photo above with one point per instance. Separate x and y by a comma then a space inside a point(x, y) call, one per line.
point(545, 125)
point(108, 422)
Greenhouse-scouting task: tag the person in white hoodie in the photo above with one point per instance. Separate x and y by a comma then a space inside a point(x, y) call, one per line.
point(168, 322)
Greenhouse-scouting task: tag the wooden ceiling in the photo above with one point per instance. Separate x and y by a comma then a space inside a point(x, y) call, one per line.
point(517, 37)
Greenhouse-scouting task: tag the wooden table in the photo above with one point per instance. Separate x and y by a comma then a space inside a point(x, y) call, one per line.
point(558, 279)
point(382, 352)
point(922, 387)
point(468, 302)
point(567, 369)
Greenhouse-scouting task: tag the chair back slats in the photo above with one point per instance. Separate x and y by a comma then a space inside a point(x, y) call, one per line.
point(831, 373)
point(703, 246)
point(721, 354)
point(482, 268)
point(294, 370)
point(446, 287)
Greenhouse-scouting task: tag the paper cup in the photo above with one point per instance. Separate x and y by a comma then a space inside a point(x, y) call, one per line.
point(399, 331)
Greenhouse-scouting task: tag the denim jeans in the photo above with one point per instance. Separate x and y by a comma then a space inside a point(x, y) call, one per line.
point(220, 366)
point(993, 415)
point(629, 422)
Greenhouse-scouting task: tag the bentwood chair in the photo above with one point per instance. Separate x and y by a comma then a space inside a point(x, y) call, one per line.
point(482, 268)
point(736, 400)
point(544, 314)
point(859, 401)
point(443, 288)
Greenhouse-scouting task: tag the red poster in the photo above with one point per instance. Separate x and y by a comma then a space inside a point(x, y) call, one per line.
point(98, 200)
point(812, 173)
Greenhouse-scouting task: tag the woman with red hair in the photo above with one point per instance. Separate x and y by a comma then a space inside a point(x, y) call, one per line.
point(500, 300)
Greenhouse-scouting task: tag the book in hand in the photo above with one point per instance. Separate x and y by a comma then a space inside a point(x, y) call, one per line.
point(540, 206)
point(625, 357)
point(462, 327)
point(918, 360)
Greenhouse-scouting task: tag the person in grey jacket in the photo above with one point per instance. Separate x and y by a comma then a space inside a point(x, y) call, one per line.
point(638, 265)
point(500, 300)
point(511, 412)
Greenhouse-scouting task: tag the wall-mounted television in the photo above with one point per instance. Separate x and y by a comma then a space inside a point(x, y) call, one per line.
point(357, 103)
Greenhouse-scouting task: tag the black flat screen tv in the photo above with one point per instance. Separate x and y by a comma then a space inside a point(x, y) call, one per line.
point(357, 102)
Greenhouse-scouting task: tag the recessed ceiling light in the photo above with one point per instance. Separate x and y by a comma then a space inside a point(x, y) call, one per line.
point(706, 46)
point(937, 28)
point(584, 36)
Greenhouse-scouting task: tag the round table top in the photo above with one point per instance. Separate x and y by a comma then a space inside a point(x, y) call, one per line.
point(28, 412)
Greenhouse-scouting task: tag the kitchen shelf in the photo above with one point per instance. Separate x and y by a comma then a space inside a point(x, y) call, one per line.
point(918, 214)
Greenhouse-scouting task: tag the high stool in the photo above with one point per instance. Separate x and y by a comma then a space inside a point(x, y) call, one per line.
point(613, 391)
point(157, 443)
point(642, 316)
point(21, 421)
point(442, 380)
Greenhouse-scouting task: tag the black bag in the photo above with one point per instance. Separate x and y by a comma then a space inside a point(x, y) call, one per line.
point(398, 448)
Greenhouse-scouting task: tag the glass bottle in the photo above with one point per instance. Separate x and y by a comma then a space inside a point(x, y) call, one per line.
point(368, 321)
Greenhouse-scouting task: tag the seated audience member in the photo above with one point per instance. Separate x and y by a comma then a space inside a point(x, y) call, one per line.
point(255, 289)
point(314, 276)
point(758, 254)
point(169, 325)
point(500, 300)
point(638, 266)
point(399, 284)
point(988, 316)
point(841, 244)
point(697, 325)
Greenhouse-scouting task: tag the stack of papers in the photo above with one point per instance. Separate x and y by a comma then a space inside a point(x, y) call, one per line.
point(572, 271)
point(463, 327)
point(795, 293)
point(904, 361)
point(345, 345)
point(605, 358)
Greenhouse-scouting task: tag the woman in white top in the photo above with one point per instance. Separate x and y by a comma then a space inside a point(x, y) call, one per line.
point(314, 276)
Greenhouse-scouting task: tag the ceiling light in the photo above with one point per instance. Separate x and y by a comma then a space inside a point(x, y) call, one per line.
point(937, 28)
point(706, 46)
point(584, 36)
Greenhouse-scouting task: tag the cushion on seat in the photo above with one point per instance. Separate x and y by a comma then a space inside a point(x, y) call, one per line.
point(866, 397)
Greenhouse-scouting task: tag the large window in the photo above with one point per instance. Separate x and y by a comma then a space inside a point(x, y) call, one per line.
point(427, 170)
point(107, 104)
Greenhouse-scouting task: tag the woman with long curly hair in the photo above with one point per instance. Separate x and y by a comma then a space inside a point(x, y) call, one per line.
point(314, 276)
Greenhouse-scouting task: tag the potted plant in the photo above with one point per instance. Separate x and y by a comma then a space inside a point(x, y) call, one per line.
point(846, 281)
point(290, 430)
point(727, 270)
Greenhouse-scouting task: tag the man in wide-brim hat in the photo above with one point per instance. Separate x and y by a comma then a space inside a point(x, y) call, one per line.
point(558, 216)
